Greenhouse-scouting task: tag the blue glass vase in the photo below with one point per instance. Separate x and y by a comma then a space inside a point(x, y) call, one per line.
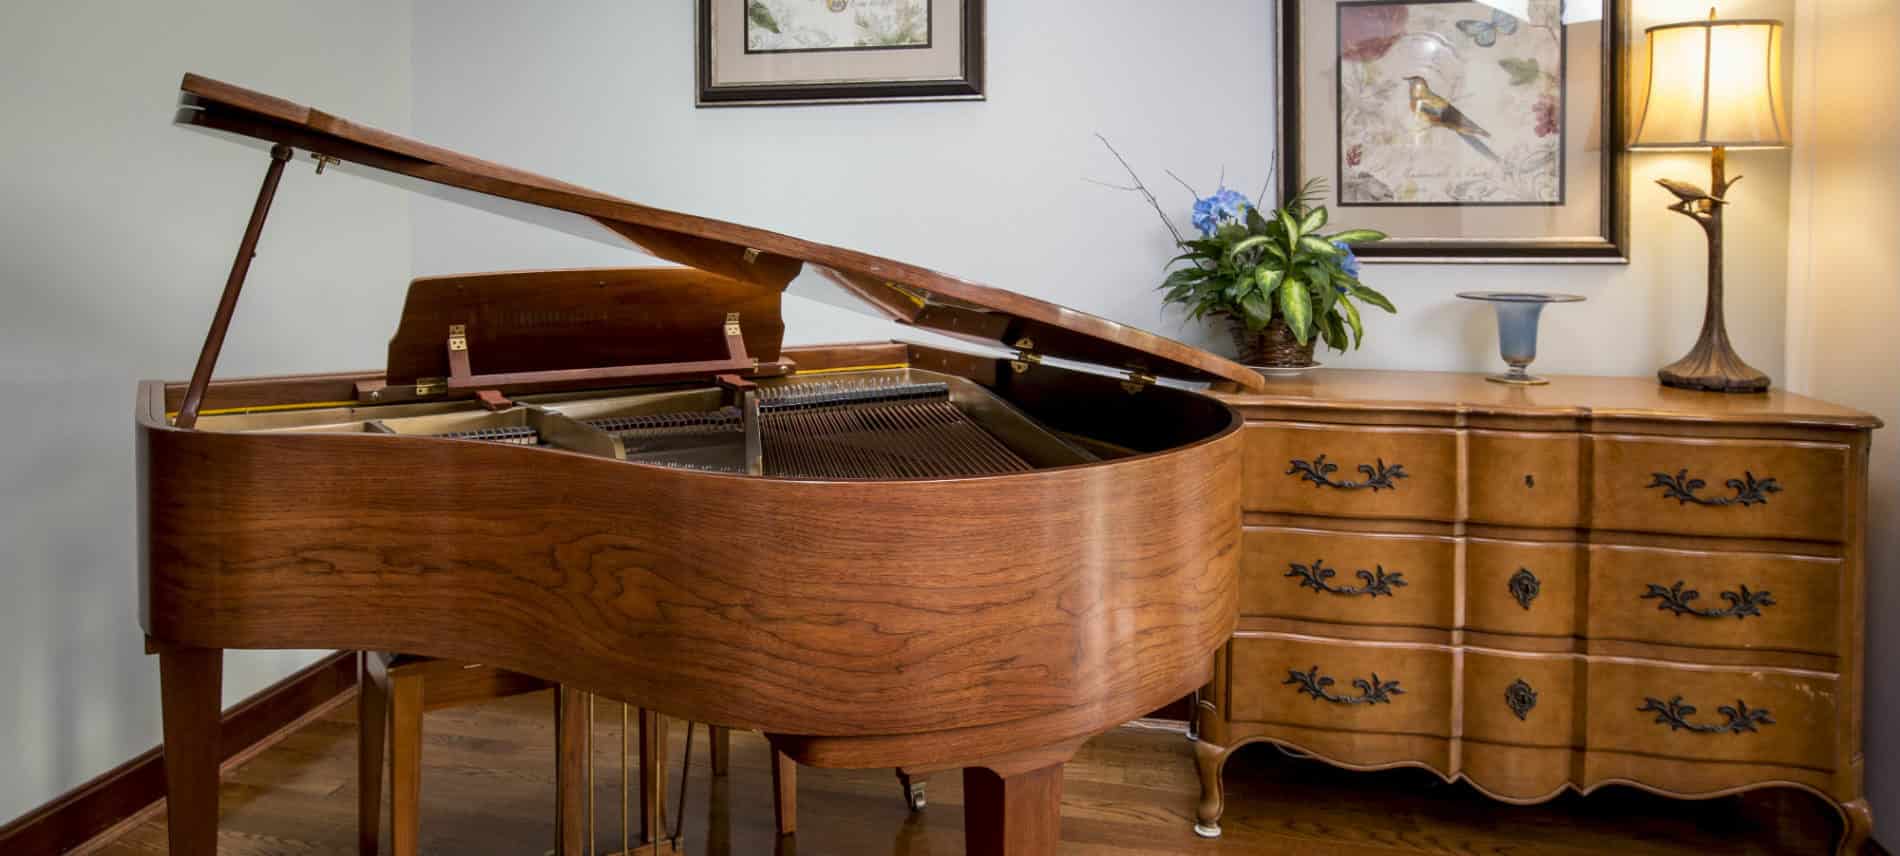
point(1518, 312)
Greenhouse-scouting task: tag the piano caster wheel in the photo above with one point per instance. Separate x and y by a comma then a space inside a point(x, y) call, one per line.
point(914, 794)
point(1206, 830)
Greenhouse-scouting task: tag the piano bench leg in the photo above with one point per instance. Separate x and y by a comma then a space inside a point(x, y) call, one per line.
point(784, 793)
point(191, 682)
point(721, 739)
point(405, 767)
point(1012, 815)
point(914, 789)
point(372, 726)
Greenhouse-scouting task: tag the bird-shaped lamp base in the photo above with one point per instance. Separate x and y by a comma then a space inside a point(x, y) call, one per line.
point(1712, 364)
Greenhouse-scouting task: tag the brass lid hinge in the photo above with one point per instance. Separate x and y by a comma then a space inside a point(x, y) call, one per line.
point(431, 385)
point(1026, 355)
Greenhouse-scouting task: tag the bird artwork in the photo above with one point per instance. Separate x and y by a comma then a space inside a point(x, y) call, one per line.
point(1433, 111)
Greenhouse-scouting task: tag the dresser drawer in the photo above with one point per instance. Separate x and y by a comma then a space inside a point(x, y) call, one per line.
point(1524, 700)
point(1348, 577)
point(1344, 471)
point(1720, 715)
point(1524, 588)
point(1715, 600)
point(1736, 488)
point(1391, 689)
point(1526, 479)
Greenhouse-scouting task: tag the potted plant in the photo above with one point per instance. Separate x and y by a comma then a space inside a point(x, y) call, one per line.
point(1280, 280)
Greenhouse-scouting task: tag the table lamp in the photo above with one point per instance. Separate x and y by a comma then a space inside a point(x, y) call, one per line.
point(1712, 85)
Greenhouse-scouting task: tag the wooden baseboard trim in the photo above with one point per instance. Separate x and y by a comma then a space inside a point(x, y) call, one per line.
point(135, 790)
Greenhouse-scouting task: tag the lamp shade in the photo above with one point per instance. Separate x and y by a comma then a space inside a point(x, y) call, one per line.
point(1713, 83)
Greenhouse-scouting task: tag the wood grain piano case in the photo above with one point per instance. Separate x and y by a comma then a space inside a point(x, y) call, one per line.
point(878, 554)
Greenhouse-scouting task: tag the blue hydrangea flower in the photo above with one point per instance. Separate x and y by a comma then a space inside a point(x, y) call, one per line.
point(1222, 207)
point(1349, 263)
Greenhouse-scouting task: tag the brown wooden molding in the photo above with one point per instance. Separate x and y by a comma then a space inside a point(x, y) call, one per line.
point(136, 788)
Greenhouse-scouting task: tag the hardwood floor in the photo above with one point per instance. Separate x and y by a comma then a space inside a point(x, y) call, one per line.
point(488, 787)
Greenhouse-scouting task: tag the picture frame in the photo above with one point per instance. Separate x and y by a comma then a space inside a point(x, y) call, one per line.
point(789, 52)
point(1359, 102)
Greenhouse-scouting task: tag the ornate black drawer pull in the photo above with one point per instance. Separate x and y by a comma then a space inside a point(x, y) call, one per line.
point(1319, 472)
point(1748, 489)
point(1525, 587)
point(1520, 698)
point(1675, 714)
point(1376, 582)
point(1373, 691)
point(1741, 604)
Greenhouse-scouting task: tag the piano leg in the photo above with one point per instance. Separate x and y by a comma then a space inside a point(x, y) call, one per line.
point(1014, 815)
point(1014, 808)
point(190, 681)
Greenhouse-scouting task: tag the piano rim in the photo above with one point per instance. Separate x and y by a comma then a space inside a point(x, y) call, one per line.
point(153, 414)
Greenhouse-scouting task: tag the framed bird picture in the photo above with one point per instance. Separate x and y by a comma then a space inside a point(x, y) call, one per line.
point(1467, 131)
point(760, 52)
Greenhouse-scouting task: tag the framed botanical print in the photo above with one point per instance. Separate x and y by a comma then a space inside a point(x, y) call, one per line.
point(1466, 131)
point(755, 52)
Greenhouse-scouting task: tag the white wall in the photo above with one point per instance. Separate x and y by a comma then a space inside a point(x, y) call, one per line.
point(996, 191)
point(993, 191)
point(116, 232)
point(1843, 305)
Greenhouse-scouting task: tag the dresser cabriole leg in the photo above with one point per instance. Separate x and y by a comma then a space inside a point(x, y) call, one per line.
point(1857, 828)
point(1209, 758)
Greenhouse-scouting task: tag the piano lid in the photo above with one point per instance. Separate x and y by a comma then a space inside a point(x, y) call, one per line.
point(902, 292)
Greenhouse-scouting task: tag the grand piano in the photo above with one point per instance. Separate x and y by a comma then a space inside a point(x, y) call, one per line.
point(879, 555)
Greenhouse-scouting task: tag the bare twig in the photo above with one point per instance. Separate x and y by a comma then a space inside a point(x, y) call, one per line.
point(1143, 190)
point(1273, 166)
point(1177, 180)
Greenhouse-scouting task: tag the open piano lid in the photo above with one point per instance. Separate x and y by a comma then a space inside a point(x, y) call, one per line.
point(901, 292)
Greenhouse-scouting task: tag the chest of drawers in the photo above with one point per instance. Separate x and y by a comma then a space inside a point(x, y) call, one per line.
point(1549, 588)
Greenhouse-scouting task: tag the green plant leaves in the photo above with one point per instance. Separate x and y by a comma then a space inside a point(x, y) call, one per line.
point(1352, 319)
point(1257, 310)
point(1315, 220)
point(1372, 297)
point(1248, 244)
point(1296, 305)
point(1268, 279)
point(1318, 245)
point(1357, 236)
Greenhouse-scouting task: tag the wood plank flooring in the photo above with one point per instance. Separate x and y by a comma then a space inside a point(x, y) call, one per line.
point(488, 787)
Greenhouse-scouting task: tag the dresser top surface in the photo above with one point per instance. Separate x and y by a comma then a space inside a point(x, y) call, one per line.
point(1564, 396)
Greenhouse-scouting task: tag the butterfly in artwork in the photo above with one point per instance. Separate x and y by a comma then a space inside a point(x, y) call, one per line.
point(1485, 33)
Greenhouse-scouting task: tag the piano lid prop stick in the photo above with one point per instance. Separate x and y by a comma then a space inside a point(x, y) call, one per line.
point(227, 305)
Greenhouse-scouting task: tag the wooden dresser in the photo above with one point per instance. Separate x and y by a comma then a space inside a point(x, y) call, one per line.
point(1535, 589)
